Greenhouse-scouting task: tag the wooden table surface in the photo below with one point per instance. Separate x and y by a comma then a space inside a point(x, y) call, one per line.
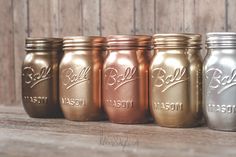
point(29, 137)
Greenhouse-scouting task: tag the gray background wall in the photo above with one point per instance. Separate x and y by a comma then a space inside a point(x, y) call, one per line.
point(45, 18)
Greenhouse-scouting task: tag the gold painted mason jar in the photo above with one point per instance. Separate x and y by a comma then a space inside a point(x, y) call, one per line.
point(125, 79)
point(175, 80)
point(80, 78)
point(40, 77)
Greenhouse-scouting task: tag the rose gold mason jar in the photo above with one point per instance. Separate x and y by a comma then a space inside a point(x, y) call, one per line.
point(40, 77)
point(125, 79)
point(80, 78)
point(175, 80)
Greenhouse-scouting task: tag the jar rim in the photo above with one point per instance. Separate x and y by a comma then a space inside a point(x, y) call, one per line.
point(177, 40)
point(41, 44)
point(83, 42)
point(119, 41)
point(221, 40)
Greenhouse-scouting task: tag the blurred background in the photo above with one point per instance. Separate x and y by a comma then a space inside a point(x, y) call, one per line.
point(57, 18)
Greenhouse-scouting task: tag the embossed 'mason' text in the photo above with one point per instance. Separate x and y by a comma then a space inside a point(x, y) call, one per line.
point(220, 81)
point(116, 79)
point(166, 81)
point(77, 102)
point(36, 99)
point(168, 106)
point(120, 103)
point(221, 108)
point(32, 77)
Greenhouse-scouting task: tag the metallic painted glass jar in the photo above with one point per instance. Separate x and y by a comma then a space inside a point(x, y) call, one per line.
point(80, 78)
point(40, 77)
point(175, 80)
point(125, 79)
point(219, 81)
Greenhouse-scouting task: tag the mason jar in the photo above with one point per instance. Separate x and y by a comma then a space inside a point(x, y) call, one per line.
point(40, 77)
point(125, 79)
point(175, 80)
point(219, 81)
point(81, 77)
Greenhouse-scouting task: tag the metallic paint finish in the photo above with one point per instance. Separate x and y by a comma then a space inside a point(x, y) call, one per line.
point(40, 77)
point(175, 81)
point(125, 79)
point(80, 78)
point(219, 81)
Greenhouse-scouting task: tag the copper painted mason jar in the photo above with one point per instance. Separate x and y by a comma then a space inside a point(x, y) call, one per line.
point(175, 80)
point(125, 79)
point(80, 78)
point(40, 77)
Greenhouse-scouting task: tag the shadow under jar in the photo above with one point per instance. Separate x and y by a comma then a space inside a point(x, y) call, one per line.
point(125, 79)
point(40, 77)
point(175, 80)
point(219, 81)
point(80, 78)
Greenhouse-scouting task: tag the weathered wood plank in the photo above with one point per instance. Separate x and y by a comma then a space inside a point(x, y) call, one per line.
point(19, 136)
point(70, 18)
point(144, 17)
point(20, 33)
point(231, 21)
point(43, 18)
point(7, 76)
point(169, 16)
point(91, 19)
point(117, 17)
point(203, 16)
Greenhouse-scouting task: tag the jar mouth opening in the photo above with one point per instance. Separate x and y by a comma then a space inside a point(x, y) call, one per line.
point(42, 44)
point(119, 41)
point(177, 40)
point(83, 42)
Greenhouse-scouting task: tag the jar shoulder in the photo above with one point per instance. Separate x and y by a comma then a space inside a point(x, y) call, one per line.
point(39, 59)
point(220, 60)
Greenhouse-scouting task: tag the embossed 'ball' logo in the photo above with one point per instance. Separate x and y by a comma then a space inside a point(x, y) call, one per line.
point(116, 79)
point(163, 79)
point(73, 76)
point(33, 77)
point(220, 81)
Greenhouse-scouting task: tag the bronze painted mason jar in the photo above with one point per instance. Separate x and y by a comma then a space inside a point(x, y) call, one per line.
point(80, 78)
point(175, 80)
point(40, 77)
point(125, 79)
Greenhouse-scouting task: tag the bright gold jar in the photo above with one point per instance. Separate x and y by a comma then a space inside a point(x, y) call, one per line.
point(175, 80)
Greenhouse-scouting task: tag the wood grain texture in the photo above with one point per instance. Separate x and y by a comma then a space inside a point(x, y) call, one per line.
point(70, 18)
point(204, 16)
point(231, 10)
point(117, 17)
point(46, 18)
point(91, 19)
point(7, 71)
point(169, 16)
point(144, 17)
point(20, 33)
point(43, 18)
point(24, 136)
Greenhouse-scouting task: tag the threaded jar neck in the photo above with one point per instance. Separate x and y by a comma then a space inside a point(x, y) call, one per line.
point(43, 44)
point(221, 40)
point(83, 42)
point(129, 41)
